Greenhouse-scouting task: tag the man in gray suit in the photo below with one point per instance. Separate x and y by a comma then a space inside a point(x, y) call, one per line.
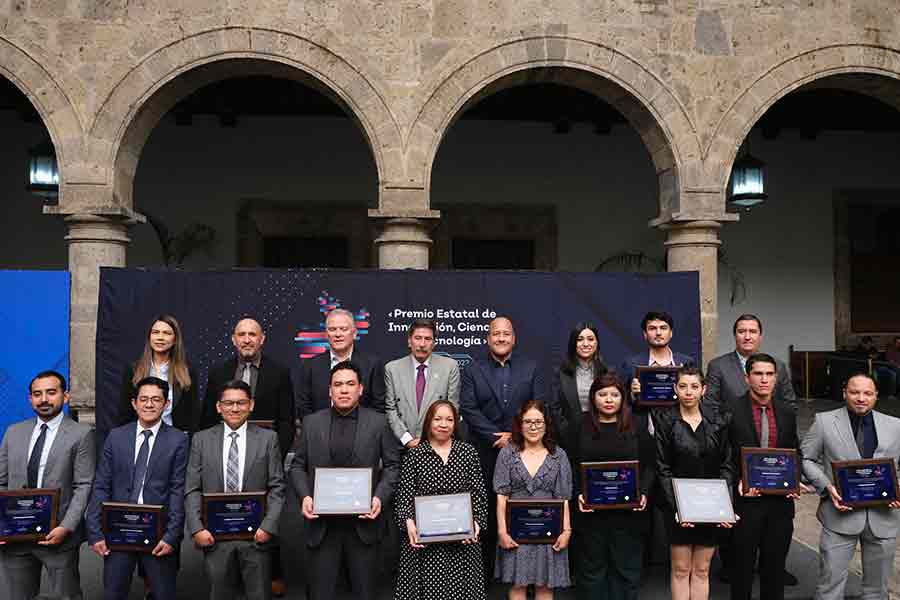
point(416, 381)
point(233, 457)
point(49, 451)
point(726, 378)
point(851, 433)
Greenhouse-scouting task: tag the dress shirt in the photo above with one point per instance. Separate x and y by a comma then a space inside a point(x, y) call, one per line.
point(335, 360)
point(343, 435)
point(138, 442)
point(651, 362)
point(584, 378)
point(254, 371)
point(162, 371)
point(407, 436)
point(866, 421)
point(500, 376)
point(242, 451)
point(757, 422)
point(52, 427)
point(743, 360)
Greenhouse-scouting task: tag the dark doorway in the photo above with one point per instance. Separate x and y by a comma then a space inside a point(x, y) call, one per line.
point(306, 253)
point(492, 254)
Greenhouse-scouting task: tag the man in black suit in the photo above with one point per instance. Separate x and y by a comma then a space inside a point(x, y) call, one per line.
point(273, 397)
point(316, 372)
point(760, 419)
point(657, 329)
point(350, 436)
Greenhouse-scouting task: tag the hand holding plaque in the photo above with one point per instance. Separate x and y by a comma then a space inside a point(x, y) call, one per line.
point(770, 471)
point(535, 521)
point(132, 527)
point(233, 516)
point(444, 518)
point(28, 515)
point(657, 386)
point(864, 483)
point(342, 491)
point(703, 501)
point(611, 485)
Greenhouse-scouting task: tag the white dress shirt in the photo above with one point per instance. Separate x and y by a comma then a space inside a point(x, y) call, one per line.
point(242, 452)
point(52, 428)
point(138, 442)
point(162, 371)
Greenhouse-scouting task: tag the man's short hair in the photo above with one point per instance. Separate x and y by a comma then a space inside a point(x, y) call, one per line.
point(861, 374)
point(49, 373)
point(422, 324)
point(162, 384)
point(507, 317)
point(746, 317)
point(347, 365)
point(657, 316)
point(237, 384)
point(339, 312)
point(760, 357)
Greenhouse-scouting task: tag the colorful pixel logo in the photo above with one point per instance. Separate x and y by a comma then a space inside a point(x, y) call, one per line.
point(313, 341)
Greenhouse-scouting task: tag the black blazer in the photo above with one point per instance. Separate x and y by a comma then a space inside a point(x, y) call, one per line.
point(742, 433)
point(315, 379)
point(375, 447)
point(187, 411)
point(274, 397)
point(569, 417)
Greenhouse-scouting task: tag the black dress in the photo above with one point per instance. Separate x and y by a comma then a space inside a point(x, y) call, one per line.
point(704, 453)
point(451, 571)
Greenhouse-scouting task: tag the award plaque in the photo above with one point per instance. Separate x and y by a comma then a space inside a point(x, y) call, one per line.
point(535, 521)
point(774, 471)
point(28, 515)
point(132, 527)
point(657, 386)
point(342, 491)
point(233, 516)
point(870, 482)
point(264, 423)
point(444, 518)
point(611, 485)
point(703, 501)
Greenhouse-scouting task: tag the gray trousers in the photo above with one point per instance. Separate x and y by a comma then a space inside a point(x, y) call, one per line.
point(835, 552)
point(20, 571)
point(233, 565)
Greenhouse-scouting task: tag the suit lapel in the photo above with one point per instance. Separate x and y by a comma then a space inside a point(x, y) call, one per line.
point(843, 429)
point(361, 435)
point(252, 449)
point(737, 375)
point(158, 446)
point(745, 410)
point(217, 442)
point(881, 425)
point(570, 391)
point(781, 420)
point(432, 383)
point(58, 442)
point(408, 388)
point(485, 366)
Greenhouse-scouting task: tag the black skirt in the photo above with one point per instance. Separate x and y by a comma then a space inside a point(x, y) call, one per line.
point(701, 534)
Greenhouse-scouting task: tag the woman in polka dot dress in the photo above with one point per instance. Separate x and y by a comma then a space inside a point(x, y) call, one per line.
point(440, 464)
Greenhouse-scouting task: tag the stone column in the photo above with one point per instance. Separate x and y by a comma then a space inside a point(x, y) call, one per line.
point(694, 246)
point(94, 241)
point(404, 243)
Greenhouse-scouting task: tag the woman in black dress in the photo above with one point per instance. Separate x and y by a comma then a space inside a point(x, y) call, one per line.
point(572, 381)
point(609, 544)
point(440, 464)
point(691, 442)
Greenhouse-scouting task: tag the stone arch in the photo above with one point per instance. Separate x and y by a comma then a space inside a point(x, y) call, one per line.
point(616, 78)
point(854, 67)
point(50, 99)
point(137, 103)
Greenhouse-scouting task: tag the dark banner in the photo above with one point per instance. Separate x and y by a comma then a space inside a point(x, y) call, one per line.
point(291, 306)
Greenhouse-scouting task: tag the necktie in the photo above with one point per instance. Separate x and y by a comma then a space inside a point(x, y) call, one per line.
point(140, 466)
point(420, 385)
point(231, 478)
point(763, 427)
point(861, 438)
point(245, 376)
point(34, 461)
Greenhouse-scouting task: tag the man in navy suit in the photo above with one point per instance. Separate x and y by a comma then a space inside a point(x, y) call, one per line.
point(493, 389)
point(142, 463)
point(657, 329)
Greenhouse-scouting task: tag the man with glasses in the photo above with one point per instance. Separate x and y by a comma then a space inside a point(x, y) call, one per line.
point(124, 474)
point(48, 451)
point(235, 457)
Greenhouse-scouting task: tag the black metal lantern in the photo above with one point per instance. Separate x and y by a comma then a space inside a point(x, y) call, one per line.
point(43, 171)
point(748, 182)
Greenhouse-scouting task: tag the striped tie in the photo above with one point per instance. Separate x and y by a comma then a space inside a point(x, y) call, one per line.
point(231, 480)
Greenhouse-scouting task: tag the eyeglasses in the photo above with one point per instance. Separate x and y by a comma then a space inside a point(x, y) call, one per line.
point(229, 404)
point(151, 400)
point(533, 423)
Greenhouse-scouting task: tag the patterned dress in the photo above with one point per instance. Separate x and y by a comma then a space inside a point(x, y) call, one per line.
point(533, 563)
point(450, 571)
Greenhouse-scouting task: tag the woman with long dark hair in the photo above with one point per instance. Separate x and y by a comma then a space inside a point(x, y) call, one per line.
point(572, 381)
point(610, 544)
point(532, 466)
point(692, 442)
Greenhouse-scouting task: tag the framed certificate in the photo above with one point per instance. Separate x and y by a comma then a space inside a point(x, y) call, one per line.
point(774, 471)
point(264, 423)
point(869, 482)
point(132, 527)
point(444, 518)
point(233, 516)
point(703, 501)
point(535, 521)
point(342, 491)
point(28, 515)
point(611, 485)
point(657, 386)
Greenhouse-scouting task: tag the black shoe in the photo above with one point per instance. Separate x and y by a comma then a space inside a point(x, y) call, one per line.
point(790, 579)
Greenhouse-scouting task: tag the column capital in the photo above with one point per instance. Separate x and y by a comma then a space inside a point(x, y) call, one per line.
point(90, 228)
point(404, 243)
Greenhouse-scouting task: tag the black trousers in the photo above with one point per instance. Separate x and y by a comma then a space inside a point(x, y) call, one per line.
point(118, 569)
point(487, 454)
point(765, 528)
point(341, 545)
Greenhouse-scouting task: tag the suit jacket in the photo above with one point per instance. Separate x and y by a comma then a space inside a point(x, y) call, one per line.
point(742, 433)
point(726, 382)
point(315, 380)
point(640, 360)
point(568, 422)
point(187, 410)
point(274, 397)
point(479, 399)
point(163, 482)
point(70, 467)
point(830, 438)
point(374, 447)
point(441, 383)
point(263, 472)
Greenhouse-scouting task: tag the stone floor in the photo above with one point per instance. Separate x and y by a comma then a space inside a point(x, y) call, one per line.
point(802, 561)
